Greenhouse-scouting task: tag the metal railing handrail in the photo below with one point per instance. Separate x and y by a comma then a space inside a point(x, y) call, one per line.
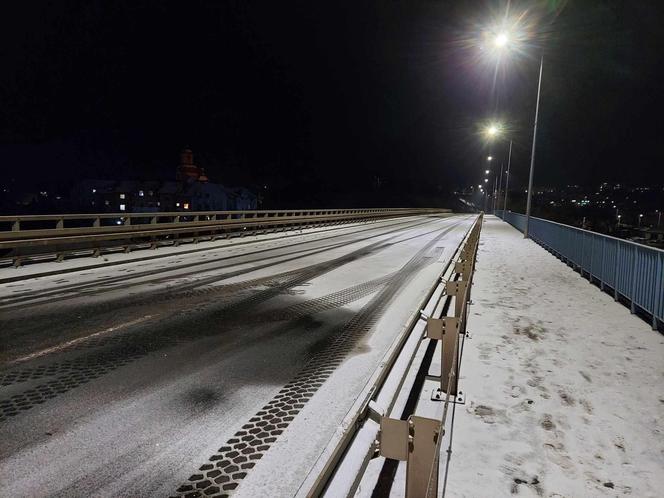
point(632, 270)
point(589, 232)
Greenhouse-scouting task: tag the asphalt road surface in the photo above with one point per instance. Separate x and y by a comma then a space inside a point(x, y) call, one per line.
point(214, 373)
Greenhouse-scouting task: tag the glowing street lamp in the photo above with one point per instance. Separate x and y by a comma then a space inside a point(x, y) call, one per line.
point(490, 158)
point(501, 40)
point(486, 181)
point(486, 172)
point(492, 130)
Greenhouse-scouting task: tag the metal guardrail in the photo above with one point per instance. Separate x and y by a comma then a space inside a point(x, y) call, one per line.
point(416, 440)
point(631, 271)
point(61, 235)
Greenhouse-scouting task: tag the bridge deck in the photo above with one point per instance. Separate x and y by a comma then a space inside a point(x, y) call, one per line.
point(215, 370)
point(563, 386)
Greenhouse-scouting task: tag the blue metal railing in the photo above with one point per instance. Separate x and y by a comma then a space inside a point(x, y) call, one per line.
point(633, 271)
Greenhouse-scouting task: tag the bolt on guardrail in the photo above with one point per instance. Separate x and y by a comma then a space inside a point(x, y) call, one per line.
point(417, 440)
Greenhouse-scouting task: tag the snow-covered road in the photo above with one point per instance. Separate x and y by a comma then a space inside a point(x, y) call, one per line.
point(564, 388)
point(212, 372)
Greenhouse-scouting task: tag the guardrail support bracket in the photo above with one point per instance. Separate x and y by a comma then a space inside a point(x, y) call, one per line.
point(439, 395)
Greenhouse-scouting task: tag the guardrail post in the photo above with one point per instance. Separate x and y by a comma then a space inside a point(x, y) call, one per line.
point(445, 329)
point(414, 441)
point(60, 224)
point(16, 225)
point(458, 290)
point(97, 222)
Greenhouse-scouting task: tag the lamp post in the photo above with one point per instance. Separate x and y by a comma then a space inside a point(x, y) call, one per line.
point(507, 179)
point(532, 153)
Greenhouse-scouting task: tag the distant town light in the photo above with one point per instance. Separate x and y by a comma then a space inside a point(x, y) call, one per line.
point(486, 180)
point(186, 205)
point(177, 204)
point(140, 193)
point(122, 196)
point(490, 158)
point(123, 207)
point(94, 190)
point(486, 172)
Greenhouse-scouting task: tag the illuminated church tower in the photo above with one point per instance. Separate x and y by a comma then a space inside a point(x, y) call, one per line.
point(187, 169)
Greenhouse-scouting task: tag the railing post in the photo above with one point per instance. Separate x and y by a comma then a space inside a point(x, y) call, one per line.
point(16, 225)
point(414, 441)
point(632, 306)
point(615, 270)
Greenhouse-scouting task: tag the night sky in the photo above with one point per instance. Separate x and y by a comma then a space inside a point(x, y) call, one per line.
point(327, 103)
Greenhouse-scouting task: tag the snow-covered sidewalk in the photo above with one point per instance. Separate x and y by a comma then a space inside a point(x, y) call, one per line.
point(564, 388)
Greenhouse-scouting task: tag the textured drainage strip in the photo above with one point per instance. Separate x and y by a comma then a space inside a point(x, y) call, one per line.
point(231, 464)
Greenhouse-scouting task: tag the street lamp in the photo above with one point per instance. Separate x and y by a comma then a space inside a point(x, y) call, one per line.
point(486, 171)
point(640, 216)
point(501, 41)
point(490, 158)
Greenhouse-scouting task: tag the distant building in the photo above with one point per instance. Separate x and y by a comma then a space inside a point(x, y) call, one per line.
point(192, 191)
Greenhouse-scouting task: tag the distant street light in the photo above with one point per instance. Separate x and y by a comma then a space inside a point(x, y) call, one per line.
point(486, 180)
point(493, 131)
point(640, 216)
point(486, 171)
